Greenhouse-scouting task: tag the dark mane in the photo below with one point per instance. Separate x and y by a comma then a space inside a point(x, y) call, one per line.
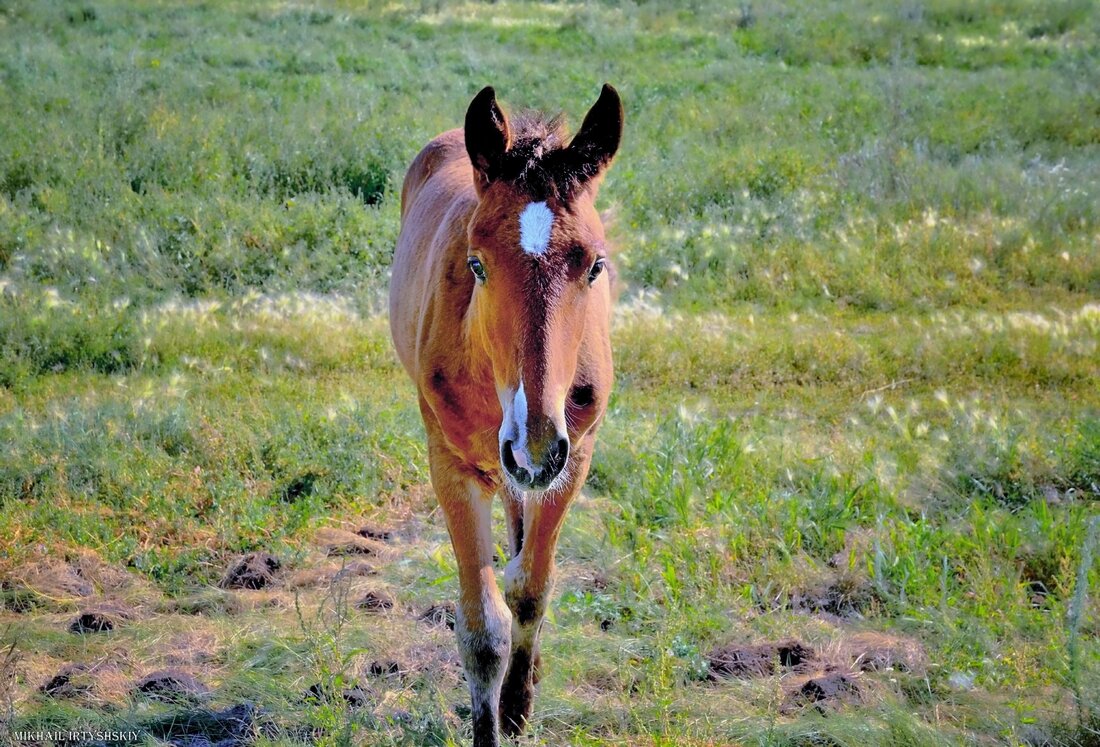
point(539, 159)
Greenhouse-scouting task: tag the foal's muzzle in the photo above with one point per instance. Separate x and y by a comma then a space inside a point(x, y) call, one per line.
point(535, 471)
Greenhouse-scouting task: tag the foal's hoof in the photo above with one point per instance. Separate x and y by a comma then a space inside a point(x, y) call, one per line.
point(514, 712)
point(517, 695)
point(516, 702)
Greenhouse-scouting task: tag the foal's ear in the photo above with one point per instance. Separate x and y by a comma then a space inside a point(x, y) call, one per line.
point(595, 144)
point(487, 137)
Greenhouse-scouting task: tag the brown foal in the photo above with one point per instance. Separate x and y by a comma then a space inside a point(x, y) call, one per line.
point(500, 309)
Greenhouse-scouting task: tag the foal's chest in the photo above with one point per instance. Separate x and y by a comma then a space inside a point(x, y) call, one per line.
point(468, 414)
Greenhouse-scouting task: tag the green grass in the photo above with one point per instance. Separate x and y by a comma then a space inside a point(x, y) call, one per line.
point(857, 356)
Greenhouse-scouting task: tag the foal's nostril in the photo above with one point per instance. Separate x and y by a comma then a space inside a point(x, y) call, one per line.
point(535, 475)
point(508, 459)
point(556, 457)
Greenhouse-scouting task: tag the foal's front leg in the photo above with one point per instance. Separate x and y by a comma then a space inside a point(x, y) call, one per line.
point(482, 620)
point(528, 583)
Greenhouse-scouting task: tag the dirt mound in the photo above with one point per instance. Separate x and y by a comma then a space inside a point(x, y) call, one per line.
point(42, 584)
point(339, 542)
point(376, 532)
point(354, 697)
point(437, 662)
point(99, 620)
point(875, 652)
point(865, 651)
point(187, 649)
point(388, 668)
point(329, 573)
point(253, 571)
point(376, 601)
point(300, 486)
point(208, 601)
point(59, 583)
point(71, 681)
point(439, 614)
point(823, 691)
point(747, 662)
point(99, 674)
point(593, 579)
point(847, 596)
point(237, 725)
point(171, 686)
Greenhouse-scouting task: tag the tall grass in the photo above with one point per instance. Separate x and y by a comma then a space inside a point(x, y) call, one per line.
point(1075, 617)
point(856, 359)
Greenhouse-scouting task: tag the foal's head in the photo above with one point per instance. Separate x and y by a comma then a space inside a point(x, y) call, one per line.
point(537, 252)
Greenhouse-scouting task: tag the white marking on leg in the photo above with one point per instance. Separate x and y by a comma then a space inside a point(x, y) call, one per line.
point(484, 651)
point(515, 579)
point(483, 515)
point(535, 223)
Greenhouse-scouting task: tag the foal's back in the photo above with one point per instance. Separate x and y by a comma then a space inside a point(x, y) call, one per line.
point(437, 199)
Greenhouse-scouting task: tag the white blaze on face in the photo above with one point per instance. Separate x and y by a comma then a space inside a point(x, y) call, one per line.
point(514, 426)
point(535, 223)
point(519, 415)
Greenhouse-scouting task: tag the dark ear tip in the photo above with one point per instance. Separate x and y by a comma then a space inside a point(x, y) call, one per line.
point(485, 131)
point(486, 95)
point(610, 101)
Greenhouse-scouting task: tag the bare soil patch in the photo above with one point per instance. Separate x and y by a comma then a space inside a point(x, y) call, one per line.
point(823, 691)
point(62, 583)
point(72, 680)
point(354, 697)
point(240, 724)
point(876, 652)
point(209, 601)
point(376, 532)
point(326, 574)
point(376, 601)
point(864, 651)
point(171, 686)
point(760, 660)
point(440, 614)
point(97, 621)
point(337, 542)
point(253, 571)
point(388, 668)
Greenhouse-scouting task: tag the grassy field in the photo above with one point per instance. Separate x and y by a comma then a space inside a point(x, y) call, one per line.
point(857, 349)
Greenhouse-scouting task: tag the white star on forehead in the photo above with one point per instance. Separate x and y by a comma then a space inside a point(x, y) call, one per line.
point(535, 223)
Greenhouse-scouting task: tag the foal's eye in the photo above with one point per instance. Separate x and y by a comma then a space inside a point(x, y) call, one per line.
point(477, 268)
point(597, 268)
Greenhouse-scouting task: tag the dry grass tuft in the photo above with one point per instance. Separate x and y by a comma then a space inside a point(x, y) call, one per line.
point(81, 575)
point(338, 542)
